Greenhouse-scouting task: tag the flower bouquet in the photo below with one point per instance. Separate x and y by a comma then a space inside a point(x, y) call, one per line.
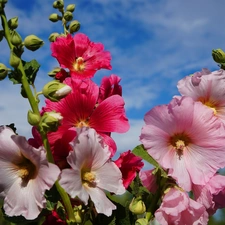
point(68, 171)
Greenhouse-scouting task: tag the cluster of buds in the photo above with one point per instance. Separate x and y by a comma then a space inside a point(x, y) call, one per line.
point(66, 17)
point(219, 57)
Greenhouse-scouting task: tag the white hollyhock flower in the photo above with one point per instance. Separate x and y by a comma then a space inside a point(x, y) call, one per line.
point(91, 171)
point(25, 175)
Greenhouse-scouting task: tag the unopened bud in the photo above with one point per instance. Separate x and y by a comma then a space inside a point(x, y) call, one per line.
point(137, 206)
point(3, 71)
point(54, 90)
point(141, 221)
point(74, 26)
point(78, 214)
point(218, 55)
point(68, 16)
point(33, 42)
point(13, 23)
point(70, 7)
point(53, 72)
point(32, 118)
point(50, 121)
point(53, 36)
point(54, 17)
point(15, 38)
point(14, 60)
point(58, 4)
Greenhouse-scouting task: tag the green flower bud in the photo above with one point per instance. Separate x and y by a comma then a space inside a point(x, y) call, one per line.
point(59, 4)
point(141, 221)
point(53, 72)
point(2, 33)
point(54, 90)
point(54, 17)
point(3, 71)
point(218, 55)
point(79, 214)
point(68, 16)
point(32, 42)
point(32, 118)
point(13, 23)
point(14, 60)
point(70, 7)
point(53, 36)
point(50, 121)
point(74, 26)
point(15, 38)
point(137, 206)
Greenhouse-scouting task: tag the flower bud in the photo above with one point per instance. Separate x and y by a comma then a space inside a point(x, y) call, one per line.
point(54, 17)
point(32, 42)
point(14, 60)
point(13, 23)
point(3, 71)
point(15, 38)
point(58, 4)
point(32, 118)
point(53, 72)
point(78, 214)
point(68, 16)
point(53, 36)
point(141, 221)
point(218, 55)
point(50, 121)
point(54, 90)
point(137, 206)
point(74, 26)
point(70, 7)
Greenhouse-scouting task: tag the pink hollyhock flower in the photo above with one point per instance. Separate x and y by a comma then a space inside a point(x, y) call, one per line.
point(25, 175)
point(148, 180)
point(81, 56)
point(207, 88)
point(80, 109)
point(129, 164)
point(211, 195)
point(186, 138)
point(109, 86)
point(91, 171)
point(177, 208)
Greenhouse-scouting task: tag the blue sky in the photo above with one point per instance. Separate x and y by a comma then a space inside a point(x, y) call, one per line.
point(154, 43)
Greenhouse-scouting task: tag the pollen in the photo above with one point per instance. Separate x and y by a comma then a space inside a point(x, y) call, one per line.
point(89, 177)
point(79, 64)
point(82, 123)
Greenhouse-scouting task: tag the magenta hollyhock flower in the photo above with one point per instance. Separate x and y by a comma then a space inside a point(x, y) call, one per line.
point(186, 138)
point(80, 55)
point(25, 175)
point(129, 164)
point(206, 87)
point(211, 195)
point(91, 171)
point(177, 208)
point(80, 108)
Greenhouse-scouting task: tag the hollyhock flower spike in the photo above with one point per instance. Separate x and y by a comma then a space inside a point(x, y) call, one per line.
point(186, 138)
point(208, 88)
point(177, 208)
point(81, 56)
point(91, 171)
point(25, 175)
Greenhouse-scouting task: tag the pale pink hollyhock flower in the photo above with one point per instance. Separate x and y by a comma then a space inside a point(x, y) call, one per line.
point(81, 109)
point(177, 208)
point(186, 138)
point(148, 179)
point(206, 87)
point(91, 171)
point(80, 55)
point(129, 165)
point(211, 195)
point(25, 175)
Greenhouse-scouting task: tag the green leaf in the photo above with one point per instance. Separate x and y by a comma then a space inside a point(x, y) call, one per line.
point(15, 77)
point(141, 152)
point(121, 199)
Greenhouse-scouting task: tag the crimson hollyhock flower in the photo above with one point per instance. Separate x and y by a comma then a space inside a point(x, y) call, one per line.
point(80, 55)
point(81, 109)
point(129, 164)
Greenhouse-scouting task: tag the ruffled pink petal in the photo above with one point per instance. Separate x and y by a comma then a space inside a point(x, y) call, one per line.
point(109, 116)
point(81, 44)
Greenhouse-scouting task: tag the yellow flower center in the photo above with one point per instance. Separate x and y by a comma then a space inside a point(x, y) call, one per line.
point(179, 142)
point(82, 123)
point(79, 64)
point(210, 104)
point(88, 178)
